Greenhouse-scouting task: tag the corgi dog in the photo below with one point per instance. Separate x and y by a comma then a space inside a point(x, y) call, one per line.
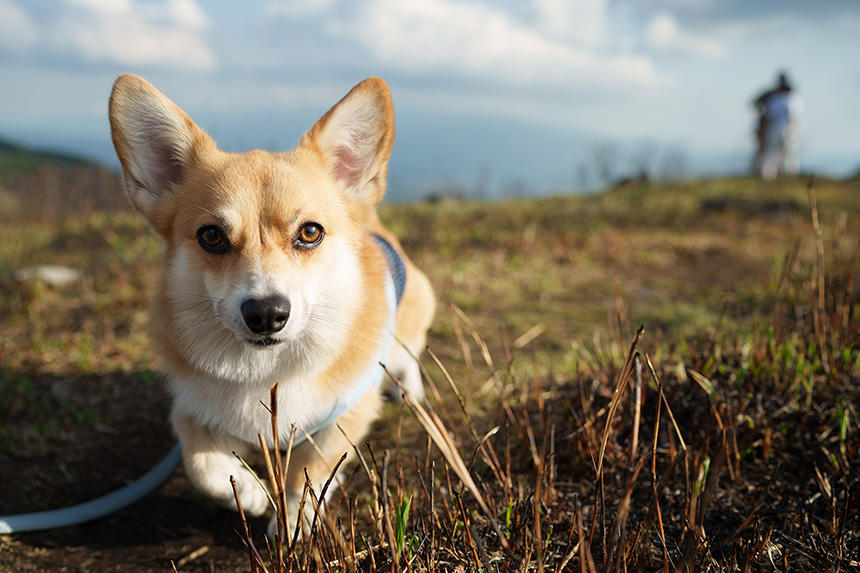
point(276, 269)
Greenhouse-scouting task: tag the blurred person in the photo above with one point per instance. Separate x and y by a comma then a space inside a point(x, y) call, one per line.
point(779, 110)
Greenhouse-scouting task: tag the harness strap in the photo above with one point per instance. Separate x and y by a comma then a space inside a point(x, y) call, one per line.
point(395, 265)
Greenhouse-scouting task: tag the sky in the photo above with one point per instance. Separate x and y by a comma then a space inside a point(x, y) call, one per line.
point(491, 98)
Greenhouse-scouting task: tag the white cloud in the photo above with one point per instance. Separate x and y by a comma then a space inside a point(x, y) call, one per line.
point(187, 13)
point(584, 21)
point(480, 40)
point(662, 34)
point(17, 30)
point(298, 8)
point(168, 33)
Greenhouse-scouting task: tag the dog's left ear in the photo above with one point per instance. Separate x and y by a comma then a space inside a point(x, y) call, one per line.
point(354, 137)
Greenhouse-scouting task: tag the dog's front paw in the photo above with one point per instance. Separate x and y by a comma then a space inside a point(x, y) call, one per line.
point(210, 472)
point(293, 505)
point(405, 368)
point(251, 494)
point(410, 383)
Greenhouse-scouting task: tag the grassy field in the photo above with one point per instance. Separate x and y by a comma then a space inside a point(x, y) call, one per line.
point(722, 438)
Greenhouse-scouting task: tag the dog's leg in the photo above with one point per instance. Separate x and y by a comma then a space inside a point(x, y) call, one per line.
point(209, 462)
point(413, 319)
point(404, 366)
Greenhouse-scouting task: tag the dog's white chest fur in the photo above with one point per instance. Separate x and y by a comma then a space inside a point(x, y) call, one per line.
point(241, 411)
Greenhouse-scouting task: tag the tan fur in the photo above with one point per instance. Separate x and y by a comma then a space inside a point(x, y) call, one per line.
point(178, 179)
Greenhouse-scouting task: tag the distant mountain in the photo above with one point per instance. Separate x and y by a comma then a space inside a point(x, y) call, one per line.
point(19, 158)
point(48, 185)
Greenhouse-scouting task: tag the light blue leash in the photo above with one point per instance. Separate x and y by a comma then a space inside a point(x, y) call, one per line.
point(94, 508)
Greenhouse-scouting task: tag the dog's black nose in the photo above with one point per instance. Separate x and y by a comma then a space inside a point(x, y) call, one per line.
point(266, 315)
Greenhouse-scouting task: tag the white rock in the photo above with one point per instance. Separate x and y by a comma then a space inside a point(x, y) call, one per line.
point(54, 275)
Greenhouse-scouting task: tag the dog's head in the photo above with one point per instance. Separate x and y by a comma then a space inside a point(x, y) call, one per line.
point(262, 248)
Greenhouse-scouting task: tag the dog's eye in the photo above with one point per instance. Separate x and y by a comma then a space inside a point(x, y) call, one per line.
point(213, 240)
point(310, 235)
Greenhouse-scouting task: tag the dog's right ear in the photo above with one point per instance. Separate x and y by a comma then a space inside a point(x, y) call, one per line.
point(154, 140)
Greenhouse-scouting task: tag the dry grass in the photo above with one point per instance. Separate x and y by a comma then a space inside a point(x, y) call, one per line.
point(724, 438)
point(726, 456)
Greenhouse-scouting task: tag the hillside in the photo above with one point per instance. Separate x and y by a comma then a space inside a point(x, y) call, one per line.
point(43, 185)
point(750, 323)
point(19, 158)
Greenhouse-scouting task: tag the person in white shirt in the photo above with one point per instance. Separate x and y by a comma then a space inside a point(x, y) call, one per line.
point(779, 113)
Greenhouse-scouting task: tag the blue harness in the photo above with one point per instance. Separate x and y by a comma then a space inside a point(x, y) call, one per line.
point(395, 265)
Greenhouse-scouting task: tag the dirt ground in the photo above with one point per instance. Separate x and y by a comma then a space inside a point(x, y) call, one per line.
point(166, 526)
point(123, 434)
point(104, 431)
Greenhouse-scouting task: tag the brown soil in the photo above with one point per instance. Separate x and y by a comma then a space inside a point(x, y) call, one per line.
point(113, 429)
